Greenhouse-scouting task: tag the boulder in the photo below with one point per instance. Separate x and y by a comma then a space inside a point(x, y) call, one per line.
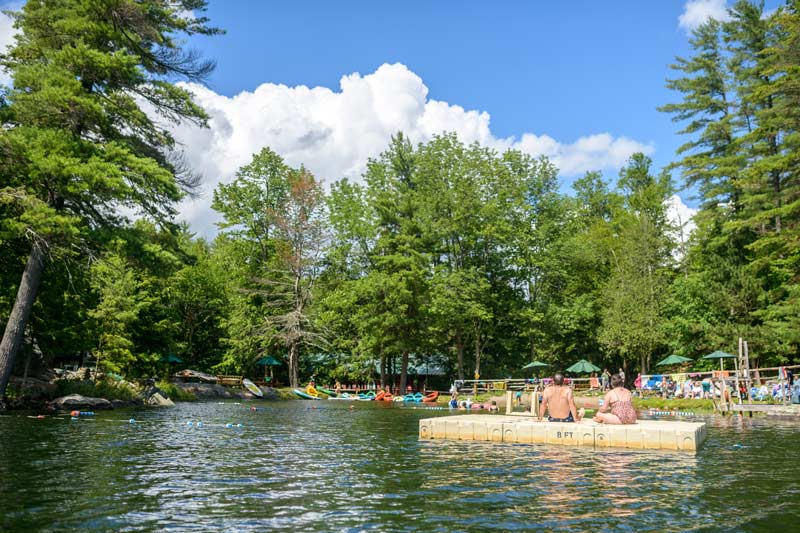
point(159, 400)
point(76, 401)
point(207, 390)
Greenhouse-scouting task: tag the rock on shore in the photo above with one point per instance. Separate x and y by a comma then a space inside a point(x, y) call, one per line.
point(76, 401)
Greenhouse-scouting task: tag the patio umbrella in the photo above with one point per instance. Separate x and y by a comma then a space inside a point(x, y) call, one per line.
point(583, 366)
point(534, 364)
point(719, 354)
point(268, 361)
point(673, 360)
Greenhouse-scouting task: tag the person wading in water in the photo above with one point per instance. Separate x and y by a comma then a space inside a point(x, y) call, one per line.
point(559, 402)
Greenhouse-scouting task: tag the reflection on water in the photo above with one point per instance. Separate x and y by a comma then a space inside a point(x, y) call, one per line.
point(291, 467)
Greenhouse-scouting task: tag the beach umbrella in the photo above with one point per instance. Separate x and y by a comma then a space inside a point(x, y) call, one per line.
point(268, 361)
point(534, 364)
point(673, 360)
point(171, 358)
point(719, 354)
point(583, 366)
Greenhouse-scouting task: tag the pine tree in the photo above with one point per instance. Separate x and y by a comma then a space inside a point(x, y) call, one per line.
point(81, 145)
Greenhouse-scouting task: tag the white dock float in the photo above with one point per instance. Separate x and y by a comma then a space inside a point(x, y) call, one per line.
point(644, 434)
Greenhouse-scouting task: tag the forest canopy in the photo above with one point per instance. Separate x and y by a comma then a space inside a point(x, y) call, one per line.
point(441, 253)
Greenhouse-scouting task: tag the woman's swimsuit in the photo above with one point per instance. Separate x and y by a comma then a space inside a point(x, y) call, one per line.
point(623, 410)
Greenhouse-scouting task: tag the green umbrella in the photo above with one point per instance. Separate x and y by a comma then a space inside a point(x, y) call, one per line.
point(268, 361)
point(673, 360)
point(583, 366)
point(719, 354)
point(534, 364)
point(171, 359)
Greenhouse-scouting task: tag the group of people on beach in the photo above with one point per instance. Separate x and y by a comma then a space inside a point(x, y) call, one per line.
point(559, 403)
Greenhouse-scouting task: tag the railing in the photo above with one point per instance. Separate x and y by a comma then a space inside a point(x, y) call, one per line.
point(500, 385)
point(229, 380)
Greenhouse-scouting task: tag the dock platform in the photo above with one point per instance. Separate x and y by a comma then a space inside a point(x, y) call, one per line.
point(644, 434)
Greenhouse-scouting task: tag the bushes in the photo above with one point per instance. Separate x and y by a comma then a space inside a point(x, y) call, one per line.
point(97, 389)
point(174, 392)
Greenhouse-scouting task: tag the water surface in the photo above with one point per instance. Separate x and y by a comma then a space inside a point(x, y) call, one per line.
point(291, 467)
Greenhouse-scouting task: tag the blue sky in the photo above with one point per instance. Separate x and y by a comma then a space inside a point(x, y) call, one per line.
point(326, 84)
point(562, 68)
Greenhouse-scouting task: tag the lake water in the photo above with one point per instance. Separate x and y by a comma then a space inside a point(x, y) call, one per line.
point(332, 468)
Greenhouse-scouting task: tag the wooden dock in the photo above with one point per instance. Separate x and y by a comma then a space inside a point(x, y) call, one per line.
point(644, 434)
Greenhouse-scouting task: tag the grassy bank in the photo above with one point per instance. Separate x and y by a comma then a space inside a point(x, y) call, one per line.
point(690, 405)
point(175, 393)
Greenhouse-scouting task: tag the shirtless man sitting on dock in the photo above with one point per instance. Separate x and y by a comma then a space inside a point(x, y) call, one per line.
point(560, 402)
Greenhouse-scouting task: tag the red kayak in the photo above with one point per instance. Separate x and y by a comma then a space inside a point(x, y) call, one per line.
point(431, 397)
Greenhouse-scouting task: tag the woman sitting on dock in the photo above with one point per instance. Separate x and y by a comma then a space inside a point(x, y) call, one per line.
point(619, 400)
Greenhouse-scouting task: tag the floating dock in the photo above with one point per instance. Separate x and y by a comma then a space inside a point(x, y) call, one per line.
point(644, 434)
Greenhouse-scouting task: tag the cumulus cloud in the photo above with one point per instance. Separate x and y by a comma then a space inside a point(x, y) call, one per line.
point(680, 215)
point(334, 133)
point(697, 12)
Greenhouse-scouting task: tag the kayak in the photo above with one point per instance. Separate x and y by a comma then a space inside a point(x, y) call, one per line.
point(366, 395)
point(431, 397)
point(252, 388)
point(415, 397)
point(384, 396)
point(327, 391)
point(305, 396)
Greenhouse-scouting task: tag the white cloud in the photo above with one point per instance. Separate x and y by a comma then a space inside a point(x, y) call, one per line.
point(7, 33)
point(333, 133)
point(697, 12)
point(680, 215)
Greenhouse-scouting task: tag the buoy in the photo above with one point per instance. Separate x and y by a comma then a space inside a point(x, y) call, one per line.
point(132, 421)
point(40, 416)
point(74, 413)
point(228, 425)
point(238, 425)
point(199, 424)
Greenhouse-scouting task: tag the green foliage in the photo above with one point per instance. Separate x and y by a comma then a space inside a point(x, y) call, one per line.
point(740, 104)
point(110, 390)
point(175, 393)
point(120, 301)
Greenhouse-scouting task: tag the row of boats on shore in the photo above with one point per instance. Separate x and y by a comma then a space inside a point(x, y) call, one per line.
point(320, 393)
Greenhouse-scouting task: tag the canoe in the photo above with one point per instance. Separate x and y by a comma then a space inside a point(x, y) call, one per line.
point(304, 395)
point(431, 397)
point(252, 388)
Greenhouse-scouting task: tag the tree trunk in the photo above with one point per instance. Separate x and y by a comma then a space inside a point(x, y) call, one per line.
point(477, 356)
point(383, 372)
point(404, 373)
point(460, 354)
point(643, 362)
point(293, 381)
point(18, 319)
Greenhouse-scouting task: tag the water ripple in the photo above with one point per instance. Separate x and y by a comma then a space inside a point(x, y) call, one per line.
point(290, 467)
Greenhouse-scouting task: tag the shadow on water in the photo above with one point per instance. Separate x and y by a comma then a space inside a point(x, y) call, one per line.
point(325, 466)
